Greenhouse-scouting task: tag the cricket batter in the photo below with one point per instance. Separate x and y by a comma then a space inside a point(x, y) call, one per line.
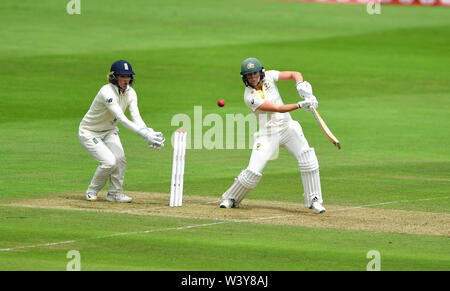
point(99, 135)
point(276, 128)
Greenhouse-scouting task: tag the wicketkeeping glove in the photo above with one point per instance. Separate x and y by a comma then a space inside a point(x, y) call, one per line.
point(156, 145)
point(154, 139)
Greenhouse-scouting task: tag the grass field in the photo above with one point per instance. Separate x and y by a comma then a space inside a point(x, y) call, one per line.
point(382, 86)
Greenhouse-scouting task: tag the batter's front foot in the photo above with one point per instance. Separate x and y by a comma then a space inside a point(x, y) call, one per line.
point(91, 196)
point(227, 203)
point(318, 208)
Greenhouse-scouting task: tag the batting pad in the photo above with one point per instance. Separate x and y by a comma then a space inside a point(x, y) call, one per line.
point(309, 168)
point(243, 184)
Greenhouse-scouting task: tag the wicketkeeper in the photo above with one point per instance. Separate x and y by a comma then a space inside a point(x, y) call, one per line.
point(276, 129)
point(99, 135)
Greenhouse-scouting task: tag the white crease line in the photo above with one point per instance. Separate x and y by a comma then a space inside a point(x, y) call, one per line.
point(140, 232)
point(390, 202)
point(111, 235)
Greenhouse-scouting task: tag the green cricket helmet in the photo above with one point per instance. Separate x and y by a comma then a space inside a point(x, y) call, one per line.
point(249, 66)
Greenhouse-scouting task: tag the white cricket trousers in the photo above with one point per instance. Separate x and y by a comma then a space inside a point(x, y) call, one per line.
point(265, 146)
point(108, 151)
point(293, 140)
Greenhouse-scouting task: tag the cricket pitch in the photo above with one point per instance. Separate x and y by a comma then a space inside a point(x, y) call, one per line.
point(256, 211)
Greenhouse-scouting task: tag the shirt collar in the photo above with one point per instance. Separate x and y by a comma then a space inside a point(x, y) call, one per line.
point(117, 90)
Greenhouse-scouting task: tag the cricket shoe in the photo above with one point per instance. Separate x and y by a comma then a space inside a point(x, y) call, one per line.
point(91, 196)
point(118, 198)
point(227, 203)
point(318, 208)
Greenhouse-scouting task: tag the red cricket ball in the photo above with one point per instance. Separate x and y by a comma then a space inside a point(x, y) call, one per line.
point(221, 103)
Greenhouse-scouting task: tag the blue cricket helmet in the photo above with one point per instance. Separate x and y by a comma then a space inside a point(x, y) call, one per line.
point(120, 68)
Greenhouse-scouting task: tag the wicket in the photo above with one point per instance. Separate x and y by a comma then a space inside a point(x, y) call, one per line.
point(179, 154)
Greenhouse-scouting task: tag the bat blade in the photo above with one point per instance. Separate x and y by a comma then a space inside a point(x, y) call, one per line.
point(326, 131)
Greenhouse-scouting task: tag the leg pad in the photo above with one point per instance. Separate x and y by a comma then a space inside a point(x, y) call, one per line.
point(243, 184)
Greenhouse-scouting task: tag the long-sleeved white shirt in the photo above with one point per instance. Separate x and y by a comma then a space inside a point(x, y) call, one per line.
point(108, 109)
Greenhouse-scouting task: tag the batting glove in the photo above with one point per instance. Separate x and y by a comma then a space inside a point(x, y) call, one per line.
point(308, 105)
point(304, 89)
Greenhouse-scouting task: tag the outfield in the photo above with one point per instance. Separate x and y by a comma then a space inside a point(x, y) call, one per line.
point(382, 86)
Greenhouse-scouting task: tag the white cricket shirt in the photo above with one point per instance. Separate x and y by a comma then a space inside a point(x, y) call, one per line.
point(108, 109)
point(269, 122)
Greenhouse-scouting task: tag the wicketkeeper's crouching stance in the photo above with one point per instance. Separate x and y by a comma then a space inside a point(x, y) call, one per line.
point(98, 132)
point(276, 128)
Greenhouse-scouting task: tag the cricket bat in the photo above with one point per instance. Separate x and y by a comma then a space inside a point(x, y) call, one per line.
point(326, 131)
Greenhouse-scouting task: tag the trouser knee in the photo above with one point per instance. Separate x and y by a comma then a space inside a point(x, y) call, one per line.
point(109, 165)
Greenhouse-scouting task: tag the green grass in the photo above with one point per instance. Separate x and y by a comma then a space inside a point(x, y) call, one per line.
point(201, 247)
point(382, 86)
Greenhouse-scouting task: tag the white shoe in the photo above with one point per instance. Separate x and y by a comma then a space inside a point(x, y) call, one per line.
point(118, 198)
point(91, 196)
point(227, 203)
point(317, 207)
